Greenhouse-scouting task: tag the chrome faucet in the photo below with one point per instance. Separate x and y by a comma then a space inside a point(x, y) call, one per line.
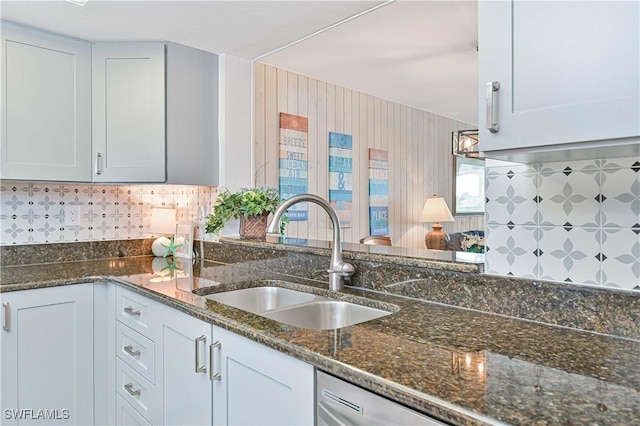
point(338, 269)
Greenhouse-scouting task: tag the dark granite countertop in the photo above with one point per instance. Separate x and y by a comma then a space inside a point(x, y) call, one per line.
point(461, 365)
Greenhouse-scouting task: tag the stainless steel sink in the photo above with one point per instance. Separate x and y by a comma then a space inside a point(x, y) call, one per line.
point(326, 314)
point(259, 300)
point(300, 309)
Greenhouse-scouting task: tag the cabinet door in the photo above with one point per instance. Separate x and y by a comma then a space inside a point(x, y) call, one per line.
point(128, 112)
point(568, 72)
point(192, 116)
point(47, 355)
point(259, 385)
point(46, 106)
point(183, 375)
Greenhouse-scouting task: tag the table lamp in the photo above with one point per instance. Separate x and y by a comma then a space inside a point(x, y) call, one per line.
point(163, 221)
point(435, 210)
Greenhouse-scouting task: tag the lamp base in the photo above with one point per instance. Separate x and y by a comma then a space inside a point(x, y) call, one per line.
point(436, 239)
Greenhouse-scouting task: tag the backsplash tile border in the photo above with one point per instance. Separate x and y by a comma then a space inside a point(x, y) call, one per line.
point(603, 240)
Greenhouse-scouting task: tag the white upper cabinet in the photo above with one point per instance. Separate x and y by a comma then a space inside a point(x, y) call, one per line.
point(107, 112)
point(128, 112)
point(46, 106)
point(192, 116)
point(130, 106)
point(568, 75)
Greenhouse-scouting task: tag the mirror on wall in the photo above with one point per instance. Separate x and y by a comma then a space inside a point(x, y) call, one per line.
point(468, 186)
point(398, 79)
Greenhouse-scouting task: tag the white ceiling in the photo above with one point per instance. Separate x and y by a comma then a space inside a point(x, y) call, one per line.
point(418, 53)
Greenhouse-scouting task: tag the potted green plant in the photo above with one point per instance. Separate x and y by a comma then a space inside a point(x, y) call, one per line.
point(251, 206)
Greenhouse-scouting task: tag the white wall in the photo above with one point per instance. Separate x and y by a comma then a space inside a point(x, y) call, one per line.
point(236, 167)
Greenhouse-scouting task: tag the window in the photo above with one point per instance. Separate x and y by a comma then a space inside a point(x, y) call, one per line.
point(468, 186)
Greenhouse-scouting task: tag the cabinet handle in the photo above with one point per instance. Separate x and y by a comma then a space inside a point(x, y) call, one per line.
point(129, 349)
point(203, 368)
point(214, 376)
point(491, 99)
point(99, 164)
point(6, 326)
point(129, 388)
point(132, 312)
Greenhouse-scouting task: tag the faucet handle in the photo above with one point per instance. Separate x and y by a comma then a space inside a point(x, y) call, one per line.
point(343, 268)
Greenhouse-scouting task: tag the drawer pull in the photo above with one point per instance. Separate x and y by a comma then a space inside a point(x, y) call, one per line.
point(200, 368)
point(132, 312)
point(214, 376)
point(129, 349)
point(129, 388)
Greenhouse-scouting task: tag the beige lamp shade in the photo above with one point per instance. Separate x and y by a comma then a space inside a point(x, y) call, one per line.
point(163, 221)
point(436, 210)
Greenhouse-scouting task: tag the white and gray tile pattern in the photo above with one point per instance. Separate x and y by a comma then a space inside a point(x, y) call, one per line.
point(577, 222)
point(36, 212)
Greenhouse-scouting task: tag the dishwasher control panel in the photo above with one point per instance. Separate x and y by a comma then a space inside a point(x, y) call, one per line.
point(339, 403)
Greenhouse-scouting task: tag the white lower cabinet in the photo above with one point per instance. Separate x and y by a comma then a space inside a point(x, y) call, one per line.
point(136, 350)
point(163, 366)
point(47, 356)
point(259, 385)
point(182, 370)
point(203, 374)
point(140, 393)
point(127, 415)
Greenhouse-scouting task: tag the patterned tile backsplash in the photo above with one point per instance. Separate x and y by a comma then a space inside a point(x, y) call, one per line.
point(38, 212)
point(576, 222)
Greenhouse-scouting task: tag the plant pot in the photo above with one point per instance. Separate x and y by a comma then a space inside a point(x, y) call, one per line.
point(254, 227)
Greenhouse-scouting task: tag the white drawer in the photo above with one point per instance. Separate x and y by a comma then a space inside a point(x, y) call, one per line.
point(136, 350)
point(138, 312)
point(136, 390)
point(126, 415)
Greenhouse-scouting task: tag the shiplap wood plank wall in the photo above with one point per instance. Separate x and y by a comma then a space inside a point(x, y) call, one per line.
point(418, 142)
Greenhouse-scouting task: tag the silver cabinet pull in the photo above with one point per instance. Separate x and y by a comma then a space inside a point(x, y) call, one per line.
point(129, 388)
point(491, 101)
point(199, 368)
point(132, 312)
point(6, 326)
point(129, 349)
point(214, 376)
point(99, 164)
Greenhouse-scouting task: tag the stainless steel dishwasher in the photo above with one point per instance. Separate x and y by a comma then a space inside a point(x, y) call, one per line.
point(339, 403)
